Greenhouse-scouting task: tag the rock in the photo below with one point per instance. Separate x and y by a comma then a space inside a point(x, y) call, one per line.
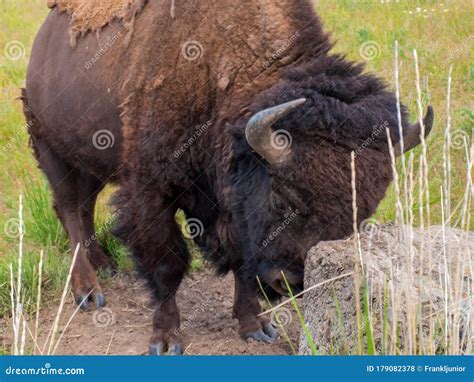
point(402, 283)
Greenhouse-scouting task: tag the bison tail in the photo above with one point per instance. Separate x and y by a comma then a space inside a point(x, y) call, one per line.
point(32, 122)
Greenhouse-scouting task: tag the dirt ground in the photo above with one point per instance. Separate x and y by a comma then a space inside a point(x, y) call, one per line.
point(124, 326)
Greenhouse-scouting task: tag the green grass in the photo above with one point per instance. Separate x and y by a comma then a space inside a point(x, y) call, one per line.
point(440, 39)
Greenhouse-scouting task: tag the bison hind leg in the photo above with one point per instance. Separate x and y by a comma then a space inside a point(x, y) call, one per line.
point(74, 195)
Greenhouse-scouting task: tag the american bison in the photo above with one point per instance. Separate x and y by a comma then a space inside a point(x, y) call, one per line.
point(235, 112)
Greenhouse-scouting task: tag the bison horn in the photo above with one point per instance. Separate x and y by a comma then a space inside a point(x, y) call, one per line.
point(412, 135)
point(262, 139)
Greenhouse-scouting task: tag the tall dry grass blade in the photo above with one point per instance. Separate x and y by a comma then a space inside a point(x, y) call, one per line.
point(358, 265)
point(410, 293)
point(35, 341)
point(421, 275)
point(12, 297)
point(38, 297)
point(400, 130)
point(446, 284)
point(23, 338)
point(358, 248)
point(424, 193)
point(20, 259)
point(17, 307)
point(398, 203)
point(447, 150)
point(61, 305)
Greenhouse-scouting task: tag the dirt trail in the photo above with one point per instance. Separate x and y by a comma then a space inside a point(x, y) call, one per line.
point(124, 326)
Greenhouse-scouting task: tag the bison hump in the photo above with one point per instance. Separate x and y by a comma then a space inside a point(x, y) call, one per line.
point(92, 15)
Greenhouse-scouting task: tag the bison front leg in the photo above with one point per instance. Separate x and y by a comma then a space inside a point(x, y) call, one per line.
point(246, 309)
point(165, 281)
point(162, 260)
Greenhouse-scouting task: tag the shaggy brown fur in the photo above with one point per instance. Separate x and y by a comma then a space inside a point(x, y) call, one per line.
point(215, 64)
point(93, 15)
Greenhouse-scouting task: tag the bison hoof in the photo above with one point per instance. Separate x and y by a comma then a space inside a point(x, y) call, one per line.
point(99, 300)
point(175, 349)
point(83, 301)
point(267, 334)
point(160, 349)
point(157, 349)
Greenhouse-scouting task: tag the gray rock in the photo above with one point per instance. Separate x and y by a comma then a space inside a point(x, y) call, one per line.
point(405, 284)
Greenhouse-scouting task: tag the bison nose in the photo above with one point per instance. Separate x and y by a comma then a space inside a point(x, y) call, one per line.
point(286, 283)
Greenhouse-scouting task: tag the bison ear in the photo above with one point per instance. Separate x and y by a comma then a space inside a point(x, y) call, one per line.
point(412, 135)
point(259, 132)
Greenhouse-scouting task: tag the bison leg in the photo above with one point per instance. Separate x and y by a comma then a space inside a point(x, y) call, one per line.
point(74, 196)
point(246, 309)
point(160, 253)
point(168, 271)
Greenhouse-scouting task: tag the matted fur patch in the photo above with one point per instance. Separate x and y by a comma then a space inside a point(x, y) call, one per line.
point(93, 15)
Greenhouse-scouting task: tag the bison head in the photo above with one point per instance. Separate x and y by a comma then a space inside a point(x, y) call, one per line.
point(302, 193)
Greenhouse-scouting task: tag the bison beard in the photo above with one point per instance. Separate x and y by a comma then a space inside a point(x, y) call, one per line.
point(189, 110)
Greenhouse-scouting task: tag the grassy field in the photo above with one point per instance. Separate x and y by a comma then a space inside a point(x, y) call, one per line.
point(440, 31)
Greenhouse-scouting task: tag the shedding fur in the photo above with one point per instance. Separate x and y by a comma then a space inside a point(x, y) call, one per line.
point(91, 15)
